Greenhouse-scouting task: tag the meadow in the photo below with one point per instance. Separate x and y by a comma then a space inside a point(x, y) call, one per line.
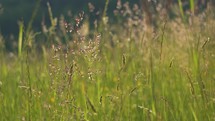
point(128, 71)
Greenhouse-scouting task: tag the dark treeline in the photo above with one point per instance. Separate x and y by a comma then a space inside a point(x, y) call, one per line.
point(14, 10)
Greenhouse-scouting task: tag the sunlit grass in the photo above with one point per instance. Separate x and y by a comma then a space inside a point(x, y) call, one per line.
point(113, 75)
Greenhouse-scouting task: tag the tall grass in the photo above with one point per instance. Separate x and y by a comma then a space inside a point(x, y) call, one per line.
point(117, 75)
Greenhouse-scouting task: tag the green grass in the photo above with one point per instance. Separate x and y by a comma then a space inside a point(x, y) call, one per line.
point(118, 76)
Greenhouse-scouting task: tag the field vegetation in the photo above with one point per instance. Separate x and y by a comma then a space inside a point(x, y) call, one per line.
point(115, 71)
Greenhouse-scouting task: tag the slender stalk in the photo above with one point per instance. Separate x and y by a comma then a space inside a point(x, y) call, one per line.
point(181, 9)
point(29, 84)
point(21, 26)
point(33, 16)
point(192, 6)
point(161, 44)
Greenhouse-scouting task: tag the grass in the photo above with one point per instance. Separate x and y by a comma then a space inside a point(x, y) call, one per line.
point(117, 76)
